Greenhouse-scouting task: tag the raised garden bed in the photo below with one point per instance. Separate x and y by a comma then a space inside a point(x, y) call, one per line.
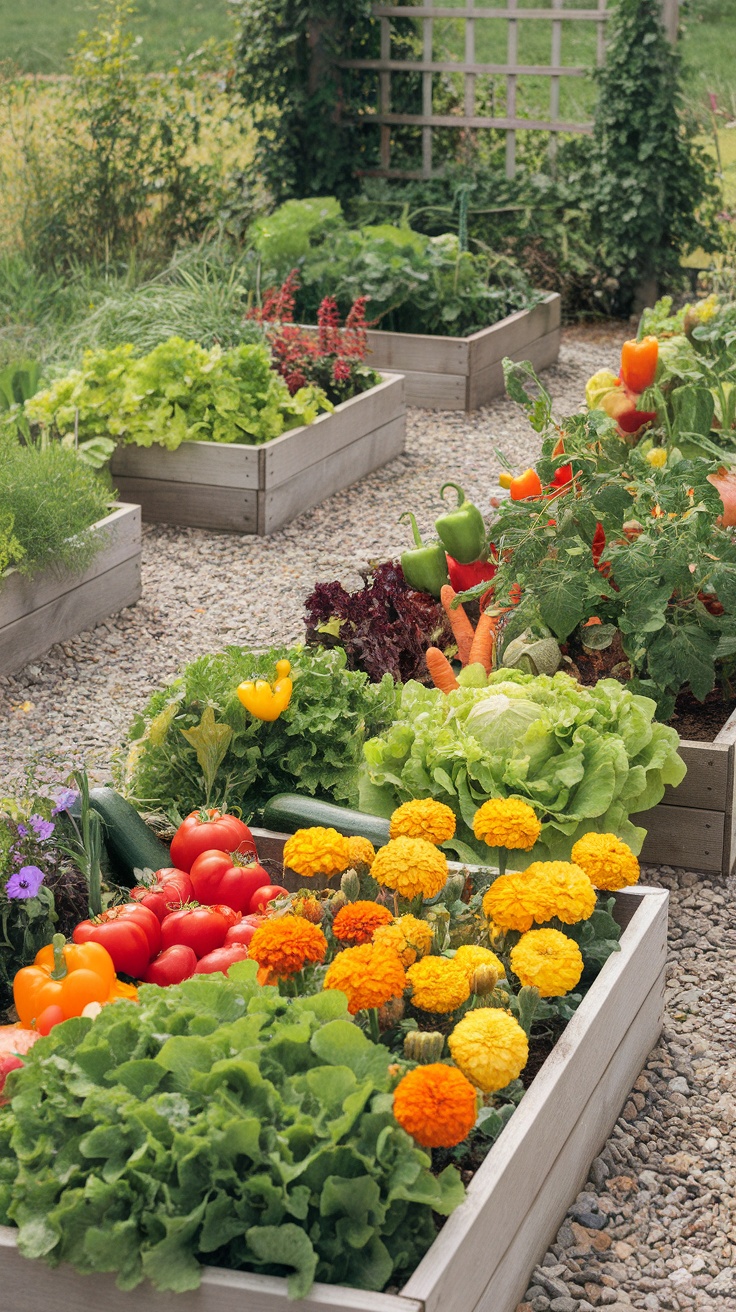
point(48, 607)
point(256, 489)
point(695, 825)
point(463, 373)
point(483, 1256)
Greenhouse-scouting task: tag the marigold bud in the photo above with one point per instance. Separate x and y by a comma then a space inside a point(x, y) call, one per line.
point(350, 886)
point(337, 902)
point(454, 887)
point(483, 980)
point(390, 1014)
point(424, 1046)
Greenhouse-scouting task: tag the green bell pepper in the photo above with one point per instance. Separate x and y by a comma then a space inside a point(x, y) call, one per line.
point(462, 531)
point(425, 565)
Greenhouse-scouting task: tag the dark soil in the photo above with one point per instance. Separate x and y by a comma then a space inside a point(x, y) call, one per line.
point(701, 721)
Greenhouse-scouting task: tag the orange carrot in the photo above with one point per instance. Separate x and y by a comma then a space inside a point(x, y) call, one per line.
point(482, 648)
point(462, 629)
point(440, 669)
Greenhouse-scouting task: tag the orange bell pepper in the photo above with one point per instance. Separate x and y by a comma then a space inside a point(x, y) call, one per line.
point(639, 363)
point(67, 975)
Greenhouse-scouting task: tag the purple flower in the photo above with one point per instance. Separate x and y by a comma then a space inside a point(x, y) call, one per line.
point(25, 883)
point(23, 831)
point(42, 828)
point(65, 800)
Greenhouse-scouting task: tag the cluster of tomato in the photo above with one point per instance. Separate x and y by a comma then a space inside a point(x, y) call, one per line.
point(195, 917)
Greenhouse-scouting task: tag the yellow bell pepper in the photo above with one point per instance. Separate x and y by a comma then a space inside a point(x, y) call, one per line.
point(264, 700)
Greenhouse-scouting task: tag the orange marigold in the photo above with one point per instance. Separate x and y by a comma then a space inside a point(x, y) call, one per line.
point(286, 944)
point(317, 851)
point(358, 921)
point(438, 984)
point(423, 818)
point(361, 851)
point(436, 1105)
point(510, 902)
point(412, 867)
point(408, 936)
point(368, 975)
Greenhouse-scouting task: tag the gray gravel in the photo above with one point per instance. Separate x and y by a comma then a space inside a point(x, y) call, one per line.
point(655, 1226)
point(204, 590)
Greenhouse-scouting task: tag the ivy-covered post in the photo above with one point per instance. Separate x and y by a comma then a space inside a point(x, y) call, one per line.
point(651, 183)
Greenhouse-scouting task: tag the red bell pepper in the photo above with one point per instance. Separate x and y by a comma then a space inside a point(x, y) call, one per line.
point(463, 577)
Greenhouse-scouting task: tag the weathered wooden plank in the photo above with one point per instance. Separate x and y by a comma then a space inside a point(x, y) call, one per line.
point(72, 612)
point(467, 66)
point(489, 382)
point(683, 836)
point(482, 11)
point(588, 1132)
point(30, 1286)
point(418, 353)
point(303, 448)
point(513, 333)
point(454, 1274)
point(435, 391)
point(727, 735)
point(338, 471)
point(229, 464)
point(120, 533)
point(193, 505)
point(706, 784)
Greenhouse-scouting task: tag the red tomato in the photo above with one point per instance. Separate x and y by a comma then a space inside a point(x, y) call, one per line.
point(262, 896)
point(49, 1017)
point(9, 1062)
point(244, 930)
point(203, 831)
point(172, 965)
point(222, 959)
point(169, 889)
point(226, 877)
point(123, 936)
point(201, 928)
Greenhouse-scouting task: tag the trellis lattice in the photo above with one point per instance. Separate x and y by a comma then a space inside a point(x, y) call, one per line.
point(469, 119)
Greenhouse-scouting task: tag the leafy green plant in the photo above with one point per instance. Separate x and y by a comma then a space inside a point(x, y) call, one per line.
point(48, 501)
point(584, 757)
point(314, 747)
point(650, 183)
point(176, 393)
point(217, 1123)
point(413, 282)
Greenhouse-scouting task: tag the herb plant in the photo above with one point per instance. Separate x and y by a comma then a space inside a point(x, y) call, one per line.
point(48, 501)
point(194, 741)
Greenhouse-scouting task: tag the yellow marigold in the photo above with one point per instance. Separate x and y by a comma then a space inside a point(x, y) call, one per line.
point(423, 818)
point(490, 1048)
point(358, 921)
point(607, 861)
point(471, 955)
point(286, 944)
point(436, 1105)
point(561, 889)
point(412, 867)
point(510, 902)
point(361, 851)
point(438, 984)
point(548, 961)
point(507, 822)
point(368, 975)
point(408, 936)
point(317, 851)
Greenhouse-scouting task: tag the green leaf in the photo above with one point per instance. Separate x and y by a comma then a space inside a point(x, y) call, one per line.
point(210, 742)
point(285, 1246)
point(562, 607)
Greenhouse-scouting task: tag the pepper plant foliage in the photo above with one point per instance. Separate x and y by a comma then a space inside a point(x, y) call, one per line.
point(650, 182)
point(217, 1123)
point(636, 547)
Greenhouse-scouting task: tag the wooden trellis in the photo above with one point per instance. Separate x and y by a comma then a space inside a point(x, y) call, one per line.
point(426, 13)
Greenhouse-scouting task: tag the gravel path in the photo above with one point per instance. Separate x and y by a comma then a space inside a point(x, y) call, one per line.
point(656, 1224)
point(204, 590)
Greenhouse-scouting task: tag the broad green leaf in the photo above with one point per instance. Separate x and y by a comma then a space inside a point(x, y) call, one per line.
point(285, 1247)
point(210, 742)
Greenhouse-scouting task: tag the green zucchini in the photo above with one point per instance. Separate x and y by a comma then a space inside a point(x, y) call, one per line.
point(130, 844)
point(290, 811)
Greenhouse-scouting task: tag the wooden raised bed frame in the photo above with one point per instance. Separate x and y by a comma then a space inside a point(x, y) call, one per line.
point(50, 607)
point(256, 489)
point(463, 373)
point(695, 824)
point(482, 1258)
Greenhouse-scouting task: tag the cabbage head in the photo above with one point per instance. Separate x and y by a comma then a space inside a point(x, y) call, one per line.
point(584, 758)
